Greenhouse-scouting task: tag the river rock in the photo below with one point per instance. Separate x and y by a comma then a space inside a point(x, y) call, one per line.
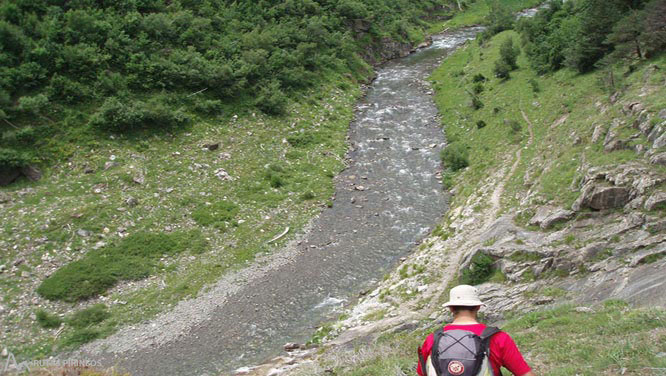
point(656, 201)
point(602, 197)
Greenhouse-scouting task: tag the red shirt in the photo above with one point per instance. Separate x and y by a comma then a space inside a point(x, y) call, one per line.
point(503, 351)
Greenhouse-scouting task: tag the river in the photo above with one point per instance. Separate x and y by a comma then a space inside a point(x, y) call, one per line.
point(387, 200)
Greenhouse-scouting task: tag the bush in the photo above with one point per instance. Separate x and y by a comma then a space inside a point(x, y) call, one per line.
point(132, 258)
point(118, 115)
point(271, 99)
point(218, 215)
point(478, 78)
point(89, 316)
point(276, 176)
point(480, 124)
point(502, 70)
point(478, 88)
point(11, 158)
point(509, 53)
point(301, 139)
point(47, 320)
point(536, 88)
point(480, 270)
point(455, 156)
point(476, 104)
point(80, 337)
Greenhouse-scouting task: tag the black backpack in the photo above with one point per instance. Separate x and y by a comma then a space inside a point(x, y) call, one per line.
point(459, 353)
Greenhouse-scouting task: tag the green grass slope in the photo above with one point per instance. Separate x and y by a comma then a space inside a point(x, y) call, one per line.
point(606, 339)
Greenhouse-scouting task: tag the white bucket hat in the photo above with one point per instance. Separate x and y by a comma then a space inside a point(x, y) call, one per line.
point(464, 295)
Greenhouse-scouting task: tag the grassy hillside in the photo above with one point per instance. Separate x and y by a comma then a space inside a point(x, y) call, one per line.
point(177, 138)
point(563, 106)
point(607, 339)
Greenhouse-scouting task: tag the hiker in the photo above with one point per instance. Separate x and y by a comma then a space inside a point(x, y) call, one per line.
point(461, 348)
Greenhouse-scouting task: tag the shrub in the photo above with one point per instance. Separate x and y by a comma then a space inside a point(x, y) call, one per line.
point(476, 104)
point(509, 53)
point(480, 124)
point(11, 158)
point(301, 139)
point(478, 78)
point(536, 88)
point(217, 215)
point(480, 270)
point(132, 258)
point(271, 99)
point(276, 176)
point(89, 316)
point(47, 320)
point(455, 156)
point(502, 70)
point(118, 115)
point(478, 88)
point(80, 337)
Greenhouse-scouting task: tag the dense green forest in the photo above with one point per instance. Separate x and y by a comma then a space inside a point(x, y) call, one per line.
point(122, 66)
point(588, 34)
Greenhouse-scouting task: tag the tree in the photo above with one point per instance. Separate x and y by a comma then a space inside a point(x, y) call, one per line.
point(625, 37)
point(509, 53)
point(654, 35)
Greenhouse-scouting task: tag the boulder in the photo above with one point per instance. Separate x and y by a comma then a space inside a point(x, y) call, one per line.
point(602, 197)
point(662, 114)
point(32, 173)
point(8, 175)
point(547, 217)
point(541, 213)
point(657, 200)
point(558, 216)
point(615, 145)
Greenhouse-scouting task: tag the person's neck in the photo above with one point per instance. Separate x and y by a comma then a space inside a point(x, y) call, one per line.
point(464, 319)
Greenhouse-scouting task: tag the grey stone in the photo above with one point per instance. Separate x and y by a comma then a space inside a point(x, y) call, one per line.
point(655, 133)
point(602, 197)
point(131, 202)
point(659, 142)
point(597, 133)
point(4, 198)
point(109, 165)
point(659, 159)
point(584, 310)
point(83, 233)
point(658, 199)
point(139, 179)
point(8, 175)
point(32, 173)
point(615, 145)
point(541, 213)
point(558, 216)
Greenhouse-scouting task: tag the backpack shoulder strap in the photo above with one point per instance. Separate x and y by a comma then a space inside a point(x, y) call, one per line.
point(489, 332)
point(437, 336)
point(486, 335)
